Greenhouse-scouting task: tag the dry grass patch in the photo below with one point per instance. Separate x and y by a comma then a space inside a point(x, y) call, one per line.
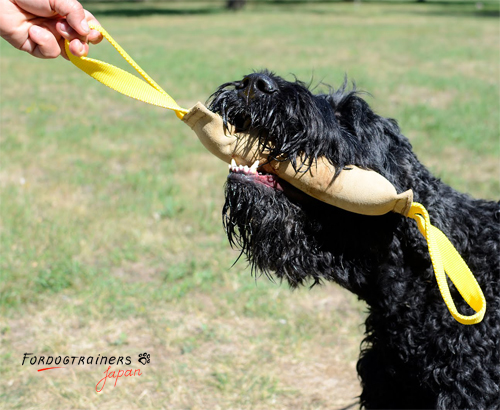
point(198, 360)
point(477, 175)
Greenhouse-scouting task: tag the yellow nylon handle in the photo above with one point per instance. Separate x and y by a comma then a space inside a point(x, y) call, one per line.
point(446, 260)
point(122, 81)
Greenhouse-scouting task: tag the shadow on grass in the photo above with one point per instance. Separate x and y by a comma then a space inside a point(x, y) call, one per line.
point(124, 11)
point(440, 8)
point(430, 8)
point(460, 13)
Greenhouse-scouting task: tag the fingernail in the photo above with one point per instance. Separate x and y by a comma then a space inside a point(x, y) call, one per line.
point(85, 26)
point(80, 49)
point(77, 48)
point(35, 30)
point(64, 28)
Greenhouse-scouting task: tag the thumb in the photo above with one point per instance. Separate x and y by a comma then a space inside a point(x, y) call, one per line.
point(74, 13)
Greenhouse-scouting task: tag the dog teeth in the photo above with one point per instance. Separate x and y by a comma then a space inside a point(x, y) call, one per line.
point(254, 167)
point(244, 169)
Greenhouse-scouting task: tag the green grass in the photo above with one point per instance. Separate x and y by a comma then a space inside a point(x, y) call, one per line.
point(111, 237)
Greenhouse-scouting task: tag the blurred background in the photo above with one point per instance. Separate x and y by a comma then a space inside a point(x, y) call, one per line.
point(111, 233)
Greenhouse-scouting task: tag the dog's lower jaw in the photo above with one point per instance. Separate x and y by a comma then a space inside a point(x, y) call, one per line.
point(289, 235)
point(247, 175)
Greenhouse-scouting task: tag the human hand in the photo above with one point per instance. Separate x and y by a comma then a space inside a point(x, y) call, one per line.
point(40, 27)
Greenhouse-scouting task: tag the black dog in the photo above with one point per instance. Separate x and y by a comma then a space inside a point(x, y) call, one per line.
point(415, 355)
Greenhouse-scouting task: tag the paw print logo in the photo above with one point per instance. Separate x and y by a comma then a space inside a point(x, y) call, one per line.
point(144, 358)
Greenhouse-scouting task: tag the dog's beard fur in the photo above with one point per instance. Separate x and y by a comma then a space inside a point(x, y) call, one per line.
point(292, 236)
point(285, 232)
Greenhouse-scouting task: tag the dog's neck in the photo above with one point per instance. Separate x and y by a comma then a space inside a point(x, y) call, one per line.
point(396, 250)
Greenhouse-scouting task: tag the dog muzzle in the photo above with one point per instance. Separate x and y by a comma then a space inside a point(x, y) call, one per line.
point(353, 189)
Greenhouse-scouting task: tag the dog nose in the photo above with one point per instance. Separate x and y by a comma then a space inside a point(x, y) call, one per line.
point(255, 85)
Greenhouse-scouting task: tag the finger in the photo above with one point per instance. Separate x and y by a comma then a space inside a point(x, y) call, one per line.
point(74, 13)
point(65, 30)
point(77, 48)
point(41, 43)
point(61, 42)
point(94, 36)
point(78, 44)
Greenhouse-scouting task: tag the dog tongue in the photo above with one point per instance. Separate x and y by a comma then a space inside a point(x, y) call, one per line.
point(354, 189)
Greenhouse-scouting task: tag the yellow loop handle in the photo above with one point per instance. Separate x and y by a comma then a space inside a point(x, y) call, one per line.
point(446, 260)
point(122, 81)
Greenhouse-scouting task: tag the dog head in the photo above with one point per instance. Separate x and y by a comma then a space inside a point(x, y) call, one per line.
point(279, 228)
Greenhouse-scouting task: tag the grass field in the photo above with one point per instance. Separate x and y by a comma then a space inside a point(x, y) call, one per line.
point(111, 237)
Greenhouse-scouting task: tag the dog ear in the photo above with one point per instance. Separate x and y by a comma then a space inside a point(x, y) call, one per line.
point(351, 111)
point(356, 118)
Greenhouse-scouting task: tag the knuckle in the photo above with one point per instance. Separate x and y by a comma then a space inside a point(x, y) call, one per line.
point(73, 5)
point(50, 52)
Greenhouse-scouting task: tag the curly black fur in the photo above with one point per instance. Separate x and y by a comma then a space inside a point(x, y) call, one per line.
point(414, 355)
